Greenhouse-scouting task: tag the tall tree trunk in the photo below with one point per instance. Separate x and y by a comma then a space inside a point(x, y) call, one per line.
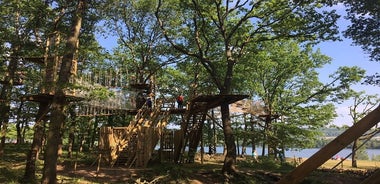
point(94, 133)
point(214, 136)
point(32, 156)
point(72, 126)
point(53, 139)
point(5, 96)
point(253, 134)
point(230, 158)
point(269, 134)
point(244, 142)
point(354, 156)
point(229, 138)
point(60, 103)
point(19, 124)
point(210, 136)
point(50, 74)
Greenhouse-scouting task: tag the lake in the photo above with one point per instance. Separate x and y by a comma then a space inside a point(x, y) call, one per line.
point(305, 153)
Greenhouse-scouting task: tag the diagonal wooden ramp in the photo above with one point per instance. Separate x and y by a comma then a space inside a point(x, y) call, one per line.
point(339, 143)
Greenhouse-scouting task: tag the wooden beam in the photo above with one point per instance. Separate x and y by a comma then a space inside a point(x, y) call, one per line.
point(339, 143)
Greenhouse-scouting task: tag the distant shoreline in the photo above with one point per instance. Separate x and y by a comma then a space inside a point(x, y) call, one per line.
point(304, 153)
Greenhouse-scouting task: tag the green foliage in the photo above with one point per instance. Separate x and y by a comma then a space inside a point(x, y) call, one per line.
point(364, 28)
point(285, 79)
point(174, 82)
point(9, 171)
point(362, 105)
point(362, 154)
point(100, 93)
point(373, 144)
point(213, 44)
point(12, 133)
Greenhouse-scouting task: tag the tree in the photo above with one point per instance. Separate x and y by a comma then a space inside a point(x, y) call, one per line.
point(18, 39)
point(141, 51)
point(365, 29)
point(362, 105)
point(59, 103)
point(217, 33)
point(43, 12)
point(295, 103)
point(365, 25)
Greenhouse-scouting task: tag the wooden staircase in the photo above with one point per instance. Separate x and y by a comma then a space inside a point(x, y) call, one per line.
point(127, 156)
point(142, 135)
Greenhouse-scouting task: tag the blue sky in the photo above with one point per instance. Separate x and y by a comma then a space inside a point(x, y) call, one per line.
point(343, 53)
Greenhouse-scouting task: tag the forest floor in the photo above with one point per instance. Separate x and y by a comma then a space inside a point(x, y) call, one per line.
point(263, 172)
point(86, 171)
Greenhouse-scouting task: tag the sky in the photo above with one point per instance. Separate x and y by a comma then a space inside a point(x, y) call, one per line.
point(342, 53)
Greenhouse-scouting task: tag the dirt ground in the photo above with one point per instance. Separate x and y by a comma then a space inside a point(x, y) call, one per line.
point(195, 173)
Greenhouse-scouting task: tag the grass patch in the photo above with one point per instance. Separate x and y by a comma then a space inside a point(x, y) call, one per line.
point(265, 171)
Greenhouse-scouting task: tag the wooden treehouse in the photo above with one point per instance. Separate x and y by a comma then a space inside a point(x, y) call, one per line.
point(50, 70)
point(133, 146)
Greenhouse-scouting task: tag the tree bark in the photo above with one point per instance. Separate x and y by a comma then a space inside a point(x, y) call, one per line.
point(244, 143)
point(5, 96)
point(44, 107)
point(230, 159)
point(60, 103)
point(19, 125)
point(354, 146)
point(229, 138)
point(32, 156)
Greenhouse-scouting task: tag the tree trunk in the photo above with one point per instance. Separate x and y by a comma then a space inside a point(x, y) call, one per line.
point(269, 135)
point(39, 127)
point(53, 140)
point(230, 158)
point(19, 127)
point(244, 142)
point(71, 134)
point(60, 103)
point(354, 160)
point(237, 146)
point(94, 134)
point(214, 136)
point(253, 136)
point(5, 96)
point(225, 89)
point(32, 156)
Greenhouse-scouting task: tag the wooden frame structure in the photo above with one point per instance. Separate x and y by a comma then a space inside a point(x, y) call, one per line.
point(133, 146)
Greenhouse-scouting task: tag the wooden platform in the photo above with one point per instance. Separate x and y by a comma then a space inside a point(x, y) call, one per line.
point(199, 104)
point(206, 102)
